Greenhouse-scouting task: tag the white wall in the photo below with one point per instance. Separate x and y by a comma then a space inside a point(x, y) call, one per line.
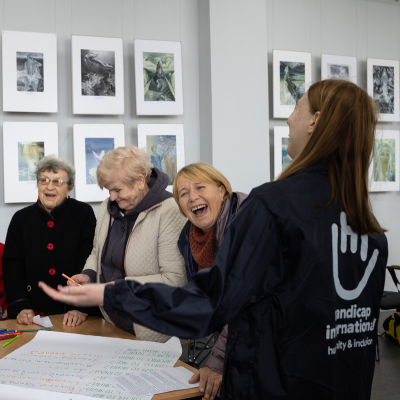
point(361, 28)
point(141, 19)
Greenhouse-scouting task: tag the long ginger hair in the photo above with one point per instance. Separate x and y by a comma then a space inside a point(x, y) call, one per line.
point(344, 136)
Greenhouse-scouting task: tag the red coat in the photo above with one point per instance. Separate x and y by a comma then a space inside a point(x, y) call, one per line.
point(2, 296)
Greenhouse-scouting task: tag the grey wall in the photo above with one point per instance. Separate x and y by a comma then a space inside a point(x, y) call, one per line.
point(130, 19)
point(227, 71)
point(361, 28)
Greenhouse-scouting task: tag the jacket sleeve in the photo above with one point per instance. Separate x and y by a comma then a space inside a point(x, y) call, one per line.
point(15, 284)
point(217, 357)
point(91, 266)
point(244, 272)
point(87, 238)
point(171, 263)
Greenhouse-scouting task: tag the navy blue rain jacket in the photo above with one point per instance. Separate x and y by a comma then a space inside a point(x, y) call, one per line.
point(299, 289)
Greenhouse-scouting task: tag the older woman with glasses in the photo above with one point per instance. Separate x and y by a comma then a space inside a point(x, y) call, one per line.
point(52, 237)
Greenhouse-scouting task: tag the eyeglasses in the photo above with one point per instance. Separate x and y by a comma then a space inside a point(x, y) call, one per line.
point(56, 182)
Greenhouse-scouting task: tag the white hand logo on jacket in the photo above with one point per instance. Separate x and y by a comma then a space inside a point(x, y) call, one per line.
point(347, 231)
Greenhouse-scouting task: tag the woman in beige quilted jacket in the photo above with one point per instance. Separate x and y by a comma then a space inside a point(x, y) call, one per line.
point(137, 230)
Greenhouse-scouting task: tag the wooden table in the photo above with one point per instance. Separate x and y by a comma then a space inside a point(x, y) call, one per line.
point(92, 326)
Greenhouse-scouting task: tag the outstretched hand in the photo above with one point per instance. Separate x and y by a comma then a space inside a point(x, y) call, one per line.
point(87, 295)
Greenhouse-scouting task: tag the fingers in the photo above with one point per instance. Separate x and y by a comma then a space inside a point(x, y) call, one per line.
point(195, 378)
point(203, 379)
point(25, 317)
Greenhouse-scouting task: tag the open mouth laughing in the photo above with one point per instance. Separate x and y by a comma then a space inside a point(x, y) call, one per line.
point(199, 210)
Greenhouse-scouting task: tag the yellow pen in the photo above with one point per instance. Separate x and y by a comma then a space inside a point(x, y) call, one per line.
point(5, 344)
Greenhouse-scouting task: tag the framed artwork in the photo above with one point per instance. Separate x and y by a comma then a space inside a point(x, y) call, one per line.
point(24, 145)
point(383, 87)
point(158, 77)
point(291, 76)
point(339, 67)
point(97, 75)
point(91, 143)
point(384, 168)
point(281, 142)
point(29, 72)
point(165, 147)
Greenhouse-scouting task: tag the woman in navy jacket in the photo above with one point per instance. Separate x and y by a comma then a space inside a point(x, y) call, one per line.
point(300, 273)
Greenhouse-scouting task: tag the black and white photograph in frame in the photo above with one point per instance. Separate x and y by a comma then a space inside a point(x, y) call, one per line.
point(97, 75)
point(29, 72)
point(291, 79)
point(383, 87)
point(158, 77)
point(24, 145)
point(91, 143)
point(339, 67)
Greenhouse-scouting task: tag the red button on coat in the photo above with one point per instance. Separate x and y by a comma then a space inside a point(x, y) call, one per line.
point(52, 271)
point(41, 314)
point(50, 224)
point(50, 246)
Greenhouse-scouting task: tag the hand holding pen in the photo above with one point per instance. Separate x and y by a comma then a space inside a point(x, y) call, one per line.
point(77, 280)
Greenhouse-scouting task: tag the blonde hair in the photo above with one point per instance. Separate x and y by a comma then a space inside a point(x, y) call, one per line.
point(204, 173)
point(124, 164)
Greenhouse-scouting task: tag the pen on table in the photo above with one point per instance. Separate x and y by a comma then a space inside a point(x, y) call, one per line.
point(10, 333)
point(6, 344)
point(70, 279)
point(12, 336)
point(26, 330)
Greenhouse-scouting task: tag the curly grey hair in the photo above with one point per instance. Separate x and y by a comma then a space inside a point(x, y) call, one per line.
point(55, 164)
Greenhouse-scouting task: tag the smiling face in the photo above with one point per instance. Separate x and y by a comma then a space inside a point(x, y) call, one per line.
point(128, 197)
point(201, 202)
point(51, 196)
point(301, 124)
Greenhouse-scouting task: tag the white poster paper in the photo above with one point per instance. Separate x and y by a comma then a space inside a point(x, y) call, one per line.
point(83, 364)
point(154, 382)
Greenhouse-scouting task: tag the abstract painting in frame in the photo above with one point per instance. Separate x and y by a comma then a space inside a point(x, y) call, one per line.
point(29, 72)
point(158, 77)
point(384, 168)
point(291, 78)
point(281, 142)
point(24, 145)
point(91, 143)
point(165, 147)
point(339, 67)
point(383, 87)
point(97, 75)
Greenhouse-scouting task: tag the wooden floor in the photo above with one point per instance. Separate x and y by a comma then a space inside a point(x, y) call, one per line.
point(386, 383)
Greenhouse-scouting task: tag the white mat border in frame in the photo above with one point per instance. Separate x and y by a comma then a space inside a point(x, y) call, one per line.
point(16, 191)
point(280, 132)
point(92, 192)
point(284, 111)
point(370, 85)
point(15, 101)
point(386, 186)
point(109, 105)
point(158, 107)
point(145, 130)
point(331, 58)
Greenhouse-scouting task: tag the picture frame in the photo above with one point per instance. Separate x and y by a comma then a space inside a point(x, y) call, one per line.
point(24, 144)
point(384, 168)
point(291, 79)
point(158, 77)
point(281, 142)
point(339, 67)
point(29, 72)
point(97, 75)
point(91, 143)
point(164, 143)
point(383, 87)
